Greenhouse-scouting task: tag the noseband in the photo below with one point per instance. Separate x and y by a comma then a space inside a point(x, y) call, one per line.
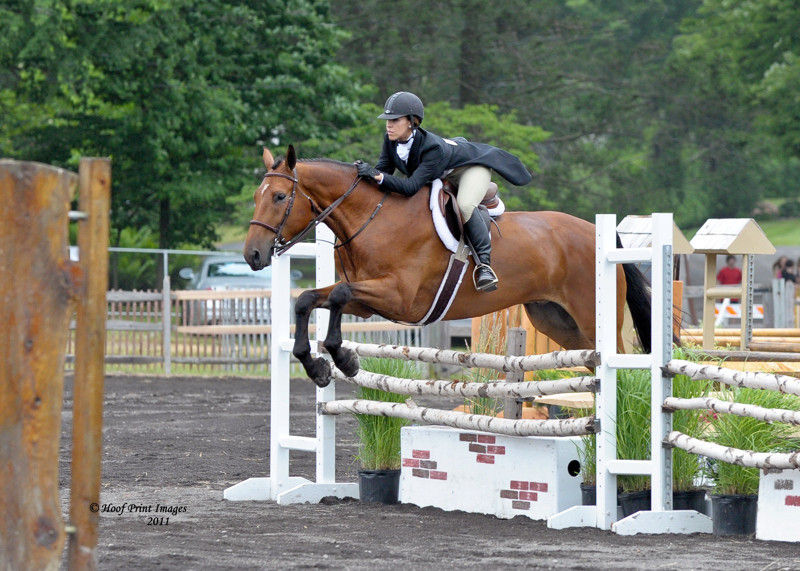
point(279, 245)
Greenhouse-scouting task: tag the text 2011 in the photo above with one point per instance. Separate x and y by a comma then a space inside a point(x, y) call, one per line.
point(157, 520)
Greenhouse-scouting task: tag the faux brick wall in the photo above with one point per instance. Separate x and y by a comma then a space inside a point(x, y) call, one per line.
point(522, 493)
point(422, 466)
point(483, 445)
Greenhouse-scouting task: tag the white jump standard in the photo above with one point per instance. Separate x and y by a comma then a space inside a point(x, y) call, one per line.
point(432, 468)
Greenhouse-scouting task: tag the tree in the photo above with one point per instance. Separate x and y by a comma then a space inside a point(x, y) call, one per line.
point(179, 94)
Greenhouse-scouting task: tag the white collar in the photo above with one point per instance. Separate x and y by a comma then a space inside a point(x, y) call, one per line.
point(404, 149)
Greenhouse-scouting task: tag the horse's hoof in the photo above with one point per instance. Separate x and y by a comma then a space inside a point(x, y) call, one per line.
point(348, 362)
point(320, 372)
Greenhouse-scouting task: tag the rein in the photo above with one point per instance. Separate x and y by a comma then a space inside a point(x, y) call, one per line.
point(278, 244)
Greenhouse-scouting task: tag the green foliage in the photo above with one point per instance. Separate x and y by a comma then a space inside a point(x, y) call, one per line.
point(179, 94)
point(790, 209)
point(130, 271)
point(379, 436)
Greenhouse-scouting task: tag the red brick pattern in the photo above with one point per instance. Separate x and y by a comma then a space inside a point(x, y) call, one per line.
point(483, 445)
point(422, 466)
point(793, 501)
point(522, 493)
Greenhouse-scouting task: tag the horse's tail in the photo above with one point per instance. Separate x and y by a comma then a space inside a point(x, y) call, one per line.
point(638, 298)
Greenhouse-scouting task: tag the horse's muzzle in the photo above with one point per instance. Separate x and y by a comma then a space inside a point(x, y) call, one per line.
point(257, 259)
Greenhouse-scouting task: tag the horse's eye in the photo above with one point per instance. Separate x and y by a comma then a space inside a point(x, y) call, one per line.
point(278, 197)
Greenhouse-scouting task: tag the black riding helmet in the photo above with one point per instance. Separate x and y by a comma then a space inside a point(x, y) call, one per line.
point(402, 104)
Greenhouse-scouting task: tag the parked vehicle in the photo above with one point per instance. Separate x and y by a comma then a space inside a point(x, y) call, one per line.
point(226, 273)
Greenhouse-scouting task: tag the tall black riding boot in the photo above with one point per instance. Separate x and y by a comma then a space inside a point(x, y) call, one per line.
point(478, 234)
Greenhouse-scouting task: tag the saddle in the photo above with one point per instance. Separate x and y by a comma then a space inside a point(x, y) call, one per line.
point(446, 200)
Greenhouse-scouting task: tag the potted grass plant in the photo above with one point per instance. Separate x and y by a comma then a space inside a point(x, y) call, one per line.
point(379, 436)
point(686, 467)
point(735, 488)
point(587, 456)
point(633, 436)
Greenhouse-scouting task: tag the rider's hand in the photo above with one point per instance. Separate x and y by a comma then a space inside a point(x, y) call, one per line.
point(367, 170)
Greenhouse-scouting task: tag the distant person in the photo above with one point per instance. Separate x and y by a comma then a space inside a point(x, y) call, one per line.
point(789, 273)
point(777, 267)
point(730, 274)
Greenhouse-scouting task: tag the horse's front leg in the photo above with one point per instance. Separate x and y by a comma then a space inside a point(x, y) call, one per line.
point(345, 359)
point(318, 369)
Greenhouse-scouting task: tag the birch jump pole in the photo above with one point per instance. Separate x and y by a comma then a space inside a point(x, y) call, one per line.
point(498, 389)
point(491, 424)
point(504, 363)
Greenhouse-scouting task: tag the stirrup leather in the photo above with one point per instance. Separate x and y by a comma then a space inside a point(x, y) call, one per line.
point(491, 286)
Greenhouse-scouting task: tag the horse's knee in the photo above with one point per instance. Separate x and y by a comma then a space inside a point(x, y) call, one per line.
point(339, 296)
point(306, 301)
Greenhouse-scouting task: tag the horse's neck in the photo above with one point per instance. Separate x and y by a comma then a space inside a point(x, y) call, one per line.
point(326, 183)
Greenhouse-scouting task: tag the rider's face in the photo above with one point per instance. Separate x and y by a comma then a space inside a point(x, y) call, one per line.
point(398, 129)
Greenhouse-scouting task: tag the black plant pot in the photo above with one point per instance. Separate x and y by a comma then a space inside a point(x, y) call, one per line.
point(689, 500)
point(378, 486)
point(734, 514)
point(588, 494)
point(632, 502)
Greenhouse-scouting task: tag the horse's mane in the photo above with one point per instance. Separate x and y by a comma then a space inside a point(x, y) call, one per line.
point(333, 162)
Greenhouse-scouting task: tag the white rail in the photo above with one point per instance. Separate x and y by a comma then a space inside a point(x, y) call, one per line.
point(492, 424)
point(498, 389)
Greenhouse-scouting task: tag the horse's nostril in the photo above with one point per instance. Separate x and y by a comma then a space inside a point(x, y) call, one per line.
point(256, 257)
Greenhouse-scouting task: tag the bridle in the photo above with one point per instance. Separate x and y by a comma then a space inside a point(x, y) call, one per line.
point(279, 245)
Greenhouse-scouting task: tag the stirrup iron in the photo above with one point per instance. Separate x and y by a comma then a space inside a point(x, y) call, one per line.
point(491, 286)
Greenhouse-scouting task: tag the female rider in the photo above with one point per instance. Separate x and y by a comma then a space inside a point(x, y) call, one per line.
point(424, 156)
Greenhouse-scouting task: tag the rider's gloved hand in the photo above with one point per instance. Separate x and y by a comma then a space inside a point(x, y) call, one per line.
point(366, 170)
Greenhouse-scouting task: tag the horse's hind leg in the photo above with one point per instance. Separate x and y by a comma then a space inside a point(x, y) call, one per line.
point(554, 321)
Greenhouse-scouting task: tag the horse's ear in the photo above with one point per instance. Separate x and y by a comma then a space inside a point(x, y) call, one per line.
point(268, 159)
point(291, 158)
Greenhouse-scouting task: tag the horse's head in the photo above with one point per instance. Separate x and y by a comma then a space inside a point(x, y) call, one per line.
point(279, 215)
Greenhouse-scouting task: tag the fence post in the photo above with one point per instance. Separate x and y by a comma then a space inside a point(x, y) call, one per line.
point(36, 283)
point(326, 425)
point(515, 345)
point(166, 321)
point(90, 340)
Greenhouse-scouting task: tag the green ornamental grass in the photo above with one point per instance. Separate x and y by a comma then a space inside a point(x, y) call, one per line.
point(379, 436)
point(749, 434)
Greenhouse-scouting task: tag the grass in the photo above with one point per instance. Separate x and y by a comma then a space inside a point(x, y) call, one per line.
point(492, 339)
point(379, 436)
point(749, 434)
point(782, 232)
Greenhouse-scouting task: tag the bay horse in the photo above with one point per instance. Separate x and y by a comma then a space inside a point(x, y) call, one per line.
point(393, 261)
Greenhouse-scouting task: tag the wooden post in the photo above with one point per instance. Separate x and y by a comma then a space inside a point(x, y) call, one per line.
point(90, 338)
point(746, 301)
point(37, 284)
point(677, 308)
point(708, 302)
point(515, 339)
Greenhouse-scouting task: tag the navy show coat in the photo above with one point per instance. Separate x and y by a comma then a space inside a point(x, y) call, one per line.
point(432, 155)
